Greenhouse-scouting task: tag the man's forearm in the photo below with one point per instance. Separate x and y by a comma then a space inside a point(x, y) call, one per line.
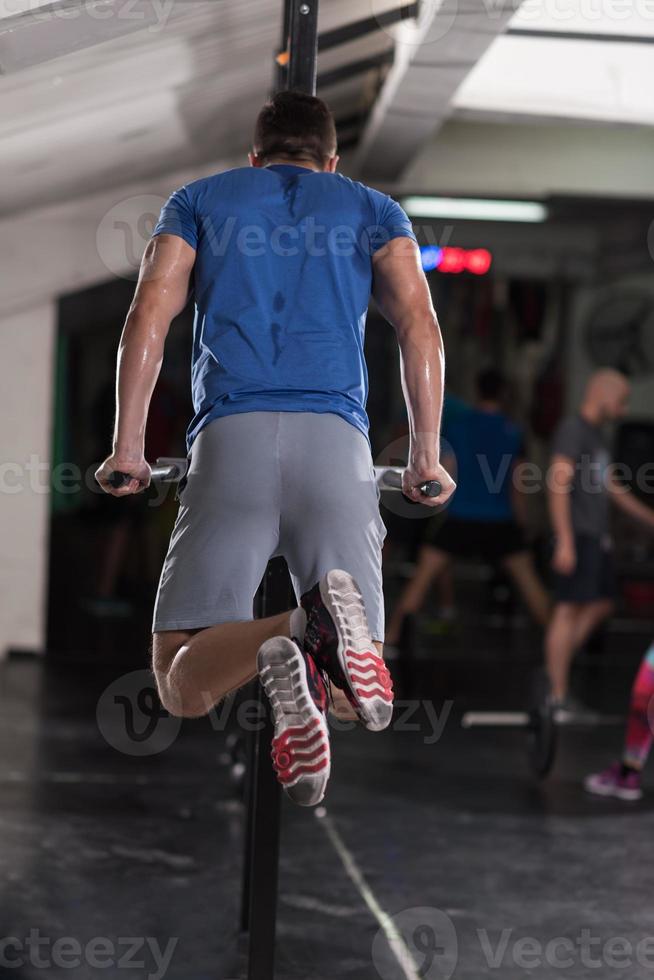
point(140, 355)
point(561, 515)
point(423, 369)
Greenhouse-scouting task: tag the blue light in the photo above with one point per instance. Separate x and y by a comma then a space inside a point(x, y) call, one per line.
point(431, 257)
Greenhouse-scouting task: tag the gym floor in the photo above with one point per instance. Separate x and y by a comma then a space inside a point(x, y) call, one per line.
point(445, 829)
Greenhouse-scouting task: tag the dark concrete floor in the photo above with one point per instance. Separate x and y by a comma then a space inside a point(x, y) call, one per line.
point(479, 867)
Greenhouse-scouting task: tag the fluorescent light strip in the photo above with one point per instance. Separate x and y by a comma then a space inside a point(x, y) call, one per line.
point(474, 209)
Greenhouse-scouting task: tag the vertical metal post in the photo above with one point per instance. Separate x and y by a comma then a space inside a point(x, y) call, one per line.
point(260, 870)
point(303, 46)
point(264, 857)
point(261, 866)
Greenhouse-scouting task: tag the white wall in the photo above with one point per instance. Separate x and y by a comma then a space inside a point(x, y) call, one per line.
point(26, 382)
point(45, 253)
point(535, 159)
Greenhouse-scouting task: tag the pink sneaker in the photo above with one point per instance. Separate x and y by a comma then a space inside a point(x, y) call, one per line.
point(612, 782)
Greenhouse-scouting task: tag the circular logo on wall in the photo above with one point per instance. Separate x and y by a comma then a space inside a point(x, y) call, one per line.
point(431, 22)
point(131, 718)
point(125, 230)
point(396, 455)
point(425, 945)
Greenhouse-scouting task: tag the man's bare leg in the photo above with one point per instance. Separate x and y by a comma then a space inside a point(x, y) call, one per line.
point(194, 670)
point(560, 642)
point(431, 562)
point(520, 567)
point(590, 617)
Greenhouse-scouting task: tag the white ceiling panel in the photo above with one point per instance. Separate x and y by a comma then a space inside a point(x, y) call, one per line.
point(562, 79)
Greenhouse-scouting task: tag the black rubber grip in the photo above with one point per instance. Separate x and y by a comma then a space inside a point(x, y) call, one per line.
point(431, 488)
point(118, 479)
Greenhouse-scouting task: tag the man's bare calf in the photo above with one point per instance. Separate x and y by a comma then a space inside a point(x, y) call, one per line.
point(195, 669)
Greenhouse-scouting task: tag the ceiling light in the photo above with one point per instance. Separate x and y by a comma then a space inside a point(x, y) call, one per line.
point(474, 209)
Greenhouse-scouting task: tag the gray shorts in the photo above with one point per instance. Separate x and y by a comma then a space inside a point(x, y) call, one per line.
point(262, 484)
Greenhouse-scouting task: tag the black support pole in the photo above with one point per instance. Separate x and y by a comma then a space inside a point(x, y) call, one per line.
point(260, 869)
point(303, 46)
point(260, 872)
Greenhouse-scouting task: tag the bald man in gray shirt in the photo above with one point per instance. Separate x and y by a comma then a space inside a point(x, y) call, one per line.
point(581, 489)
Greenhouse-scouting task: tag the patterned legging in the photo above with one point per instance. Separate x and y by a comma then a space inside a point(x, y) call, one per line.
point(640, 724)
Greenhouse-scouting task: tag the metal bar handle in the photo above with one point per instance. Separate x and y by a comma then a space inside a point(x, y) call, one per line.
point(169, 469)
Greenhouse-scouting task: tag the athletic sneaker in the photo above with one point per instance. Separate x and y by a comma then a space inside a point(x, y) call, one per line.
point(298, 696)
point(338, 639)
point(615, 782)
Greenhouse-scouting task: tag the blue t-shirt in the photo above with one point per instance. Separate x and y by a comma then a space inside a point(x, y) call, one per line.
point(282, 282)
point(486, 446)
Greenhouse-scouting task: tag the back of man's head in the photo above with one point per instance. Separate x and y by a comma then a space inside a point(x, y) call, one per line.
point(295, 126)
point(607, 393)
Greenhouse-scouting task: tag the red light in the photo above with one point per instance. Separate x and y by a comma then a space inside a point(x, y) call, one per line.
point(479, 261)
point(453, 260)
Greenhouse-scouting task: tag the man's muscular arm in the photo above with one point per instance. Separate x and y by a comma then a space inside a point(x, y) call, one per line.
point(402, 293)
point(560, 478)
point(161, 294)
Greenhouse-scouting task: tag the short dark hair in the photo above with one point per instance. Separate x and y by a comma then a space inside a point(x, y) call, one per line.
point(491, 385)
point(296, 126)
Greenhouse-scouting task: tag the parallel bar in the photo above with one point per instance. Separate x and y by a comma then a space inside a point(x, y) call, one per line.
point(496, 719)
point(171, 469)
point(521, 719)
point(368, 25)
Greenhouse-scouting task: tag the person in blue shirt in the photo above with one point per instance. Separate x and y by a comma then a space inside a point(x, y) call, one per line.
point(281, 259)
point(485, 518)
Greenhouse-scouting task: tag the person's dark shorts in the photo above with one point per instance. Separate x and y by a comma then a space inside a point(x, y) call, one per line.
point(490, 540)
point(594, 576)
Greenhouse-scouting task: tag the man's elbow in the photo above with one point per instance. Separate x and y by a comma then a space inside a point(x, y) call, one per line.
point(421, 327)
point(147, 321)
